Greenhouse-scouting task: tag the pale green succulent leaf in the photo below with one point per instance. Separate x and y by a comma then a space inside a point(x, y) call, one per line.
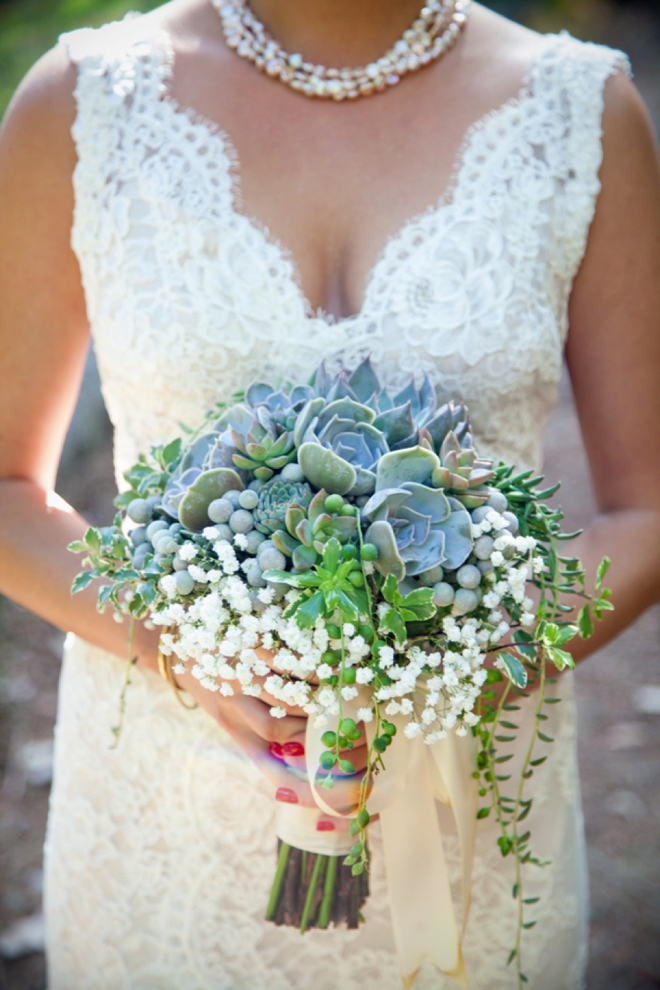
point(193, 510)
point(411, 464)
point(389, 561)
point(324, 469)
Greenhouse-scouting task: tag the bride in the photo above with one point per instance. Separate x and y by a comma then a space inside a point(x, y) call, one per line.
point(209, 223)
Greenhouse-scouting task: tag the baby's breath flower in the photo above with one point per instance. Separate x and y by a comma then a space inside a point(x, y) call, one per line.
point(348, 692)
point(226, 689)
point(365, 714)
point(364, 675)
point(188, 551)
point(412, 730)
point(198, 574)
point(385, 657)
point(278, 712)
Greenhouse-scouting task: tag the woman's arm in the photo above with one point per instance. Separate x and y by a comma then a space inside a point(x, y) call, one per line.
point(44, 336)
point(613, 355)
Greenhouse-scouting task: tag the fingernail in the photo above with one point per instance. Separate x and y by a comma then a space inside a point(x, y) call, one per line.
point(325, 826)
point(286, 795)
point(293, 749)
point(275, 750)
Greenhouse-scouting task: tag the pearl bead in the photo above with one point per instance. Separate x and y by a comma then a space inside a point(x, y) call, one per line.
point(433, 32)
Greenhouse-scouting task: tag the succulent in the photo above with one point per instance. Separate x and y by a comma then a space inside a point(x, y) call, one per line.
point(414, 526)
point(462, 472)
point(261, 453)
point(340, 446)
point(206, 488)
point(308, 529)
point(275, 497)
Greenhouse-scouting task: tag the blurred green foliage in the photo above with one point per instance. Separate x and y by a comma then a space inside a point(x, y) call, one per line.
point(28, 28)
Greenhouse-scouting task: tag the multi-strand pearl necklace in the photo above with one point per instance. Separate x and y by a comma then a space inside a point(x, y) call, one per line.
point(433, 33)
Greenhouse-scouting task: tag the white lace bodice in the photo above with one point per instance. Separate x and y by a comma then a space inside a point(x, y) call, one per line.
point(160, 853)
point(181, 287)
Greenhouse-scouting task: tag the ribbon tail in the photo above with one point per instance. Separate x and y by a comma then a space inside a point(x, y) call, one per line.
point(454, 759)
point(417, 877)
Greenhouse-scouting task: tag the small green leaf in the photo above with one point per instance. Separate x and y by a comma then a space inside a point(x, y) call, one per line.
point(514, 670)
point(77, 547)
point(544, 738)
point(391, 590)
point(346, 766)
point(585, 625)
point(81, 581)
point(310, 610)
point(92, 539)
point(603, 568)
point(357, 869)
point(483, 812)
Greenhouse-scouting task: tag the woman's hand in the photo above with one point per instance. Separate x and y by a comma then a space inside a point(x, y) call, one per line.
point(277, 745)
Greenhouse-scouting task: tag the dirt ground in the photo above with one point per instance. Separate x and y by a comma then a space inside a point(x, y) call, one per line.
point(618, 697)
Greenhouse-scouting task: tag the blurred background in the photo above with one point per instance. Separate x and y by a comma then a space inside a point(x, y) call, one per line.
point(618, 689)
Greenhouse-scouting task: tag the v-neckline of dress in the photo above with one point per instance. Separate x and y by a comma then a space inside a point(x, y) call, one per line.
point(226, 148)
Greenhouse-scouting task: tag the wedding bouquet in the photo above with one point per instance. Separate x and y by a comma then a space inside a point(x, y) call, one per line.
point(360, 538)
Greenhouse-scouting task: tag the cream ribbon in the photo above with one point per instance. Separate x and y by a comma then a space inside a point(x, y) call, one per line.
point(404, 796)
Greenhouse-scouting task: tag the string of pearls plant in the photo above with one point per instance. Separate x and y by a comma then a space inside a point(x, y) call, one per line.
point(434, 32)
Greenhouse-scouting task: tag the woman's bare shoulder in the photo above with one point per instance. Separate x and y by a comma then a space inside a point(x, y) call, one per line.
point(43, 107)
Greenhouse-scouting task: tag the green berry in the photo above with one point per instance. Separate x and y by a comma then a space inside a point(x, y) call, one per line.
point(349, 677)
point(356, 579)
point(347, 509)
point(367, 633)
point(369, 551)
point(363, 817)
point(334, 504)
point(334, 632)
point(329, 739)
point(327, 760)
point(348, 727)
point(349, 551)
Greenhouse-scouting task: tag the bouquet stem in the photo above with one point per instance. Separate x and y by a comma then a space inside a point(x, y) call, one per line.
point(312, 890)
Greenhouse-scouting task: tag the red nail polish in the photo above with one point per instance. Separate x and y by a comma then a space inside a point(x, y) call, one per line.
point(275, 750)
point(286, 795)
point(324, 826)
point(293, 749)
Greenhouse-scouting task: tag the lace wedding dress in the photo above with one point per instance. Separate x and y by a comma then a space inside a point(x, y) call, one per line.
point(160, 853)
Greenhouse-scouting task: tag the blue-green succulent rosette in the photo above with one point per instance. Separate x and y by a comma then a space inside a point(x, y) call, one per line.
point(359, 536)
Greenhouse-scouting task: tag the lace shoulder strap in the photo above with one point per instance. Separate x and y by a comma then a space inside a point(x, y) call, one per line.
point(121, 64)
point(572, 77)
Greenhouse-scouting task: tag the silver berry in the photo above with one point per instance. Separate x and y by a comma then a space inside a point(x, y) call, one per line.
point(241, 521)
point(443, 594)
point(497, 501)
point(483, 547)
point(184, 582)
point(220, 510)
point(468, 576)
point(465, 600)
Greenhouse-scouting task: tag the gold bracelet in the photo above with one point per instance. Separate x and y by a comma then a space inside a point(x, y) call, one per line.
point(166, 672)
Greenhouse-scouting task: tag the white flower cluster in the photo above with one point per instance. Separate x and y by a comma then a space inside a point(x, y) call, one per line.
point(220, 633)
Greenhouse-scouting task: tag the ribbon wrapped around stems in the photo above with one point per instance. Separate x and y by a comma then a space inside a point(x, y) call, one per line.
point(404, 796)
